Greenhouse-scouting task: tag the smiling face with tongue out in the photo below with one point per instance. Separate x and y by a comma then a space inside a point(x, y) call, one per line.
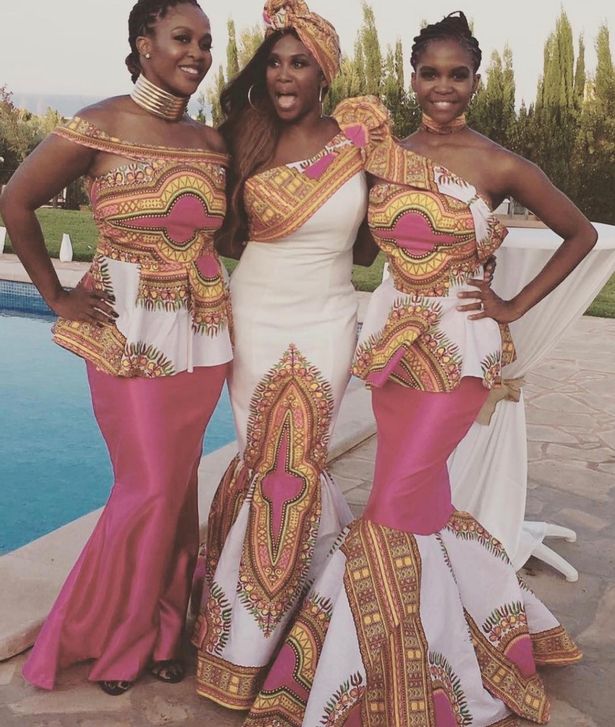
point(294, 79)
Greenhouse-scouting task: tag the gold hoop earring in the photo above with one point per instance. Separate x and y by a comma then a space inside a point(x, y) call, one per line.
point(250, 97)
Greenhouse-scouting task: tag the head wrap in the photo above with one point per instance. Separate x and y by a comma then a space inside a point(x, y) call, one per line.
point(316, 33)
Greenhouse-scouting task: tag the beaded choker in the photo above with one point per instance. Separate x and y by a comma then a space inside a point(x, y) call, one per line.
point(158, 102)
point(435, 127)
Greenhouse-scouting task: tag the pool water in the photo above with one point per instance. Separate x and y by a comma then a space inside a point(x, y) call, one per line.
point(54, 465)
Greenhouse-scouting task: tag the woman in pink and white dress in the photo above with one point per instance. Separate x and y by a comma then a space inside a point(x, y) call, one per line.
point(151, 320)
point(418, 617)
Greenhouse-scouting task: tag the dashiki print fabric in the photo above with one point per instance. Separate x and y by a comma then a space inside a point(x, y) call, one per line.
point(436, 232)
point(277, 512)
point(156, 215)
point(418, 618)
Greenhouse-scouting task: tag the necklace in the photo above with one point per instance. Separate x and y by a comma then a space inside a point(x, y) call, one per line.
point(158, 102)
point(435, 127)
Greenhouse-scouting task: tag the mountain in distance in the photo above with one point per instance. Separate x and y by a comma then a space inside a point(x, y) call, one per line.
point(67, 104)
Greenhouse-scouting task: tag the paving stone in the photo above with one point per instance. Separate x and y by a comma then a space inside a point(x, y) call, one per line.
point(78, 699)
point(573, 477)
point(352, 468)
point(559, 403)
point(601, 632)
point(162, 711)
point(579, 519)
point(366, 451)
point(564, 715)
point(595, 454)
point(346, 483)
point(534, 507)
point(8, 670)
point(572, 422)
point(358, 496)
point(541, 433)
point(105, 722)
point(608, 437)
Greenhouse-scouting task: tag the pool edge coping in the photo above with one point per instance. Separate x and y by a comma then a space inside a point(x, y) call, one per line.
point(35, 572)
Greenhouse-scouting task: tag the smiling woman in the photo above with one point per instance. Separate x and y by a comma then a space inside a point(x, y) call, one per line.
point(150, 318)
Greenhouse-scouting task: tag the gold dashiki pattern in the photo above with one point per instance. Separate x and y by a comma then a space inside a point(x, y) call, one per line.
point(436, 232)
point(277, 512)
point(397, 606)
point(156, 215)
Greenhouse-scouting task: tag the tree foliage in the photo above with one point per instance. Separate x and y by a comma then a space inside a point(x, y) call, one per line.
point(568, 129)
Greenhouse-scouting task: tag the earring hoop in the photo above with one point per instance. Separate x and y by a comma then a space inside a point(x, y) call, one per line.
point(250, 97)
point(321, 94)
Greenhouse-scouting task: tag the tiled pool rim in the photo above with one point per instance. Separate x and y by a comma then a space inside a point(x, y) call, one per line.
point(19, 297)
point(34, 573)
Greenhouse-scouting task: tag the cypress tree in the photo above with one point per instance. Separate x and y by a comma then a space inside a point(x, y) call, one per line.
point(493, 109)
point(232, 56)
point(595, 149)
point(371, 51)
point(556, 117)
point(579, 75)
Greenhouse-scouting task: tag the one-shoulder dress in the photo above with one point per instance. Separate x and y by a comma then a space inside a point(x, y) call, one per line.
point(155, 376)
point(418, 617)
point(277, 511)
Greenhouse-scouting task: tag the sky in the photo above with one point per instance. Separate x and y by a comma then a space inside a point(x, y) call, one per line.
point(79, 46)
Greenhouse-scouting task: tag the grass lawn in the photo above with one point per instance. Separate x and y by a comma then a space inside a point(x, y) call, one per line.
point(82, 231)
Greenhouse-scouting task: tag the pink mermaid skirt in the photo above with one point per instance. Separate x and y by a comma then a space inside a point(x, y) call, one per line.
point(124, 602)
point(418, 617)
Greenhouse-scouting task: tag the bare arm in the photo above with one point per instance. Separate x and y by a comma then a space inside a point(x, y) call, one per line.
point(51, 167)
point(529, 185)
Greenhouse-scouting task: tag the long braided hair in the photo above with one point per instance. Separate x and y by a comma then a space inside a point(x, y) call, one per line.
point(453, 27)
point(141, 21)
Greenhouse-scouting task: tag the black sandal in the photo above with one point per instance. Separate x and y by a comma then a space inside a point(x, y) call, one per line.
point(115, 688)
point(170, 671)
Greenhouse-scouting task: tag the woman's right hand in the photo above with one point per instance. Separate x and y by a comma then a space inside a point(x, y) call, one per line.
point(84, 304)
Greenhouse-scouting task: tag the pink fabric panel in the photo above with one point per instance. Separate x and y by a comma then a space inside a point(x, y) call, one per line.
point(124, 602)
point(417, 431)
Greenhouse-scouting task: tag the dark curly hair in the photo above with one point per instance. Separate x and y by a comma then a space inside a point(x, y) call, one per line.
point(141, 21)
point(455, 27)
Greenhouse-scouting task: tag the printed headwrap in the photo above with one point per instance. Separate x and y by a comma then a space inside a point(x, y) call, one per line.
point(316, 33)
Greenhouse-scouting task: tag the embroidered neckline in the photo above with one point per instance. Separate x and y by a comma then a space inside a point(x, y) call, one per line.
point(334, 143)
point(103, 135)
point(437, 165)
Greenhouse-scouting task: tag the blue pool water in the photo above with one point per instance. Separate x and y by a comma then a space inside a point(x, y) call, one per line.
point(53, 463)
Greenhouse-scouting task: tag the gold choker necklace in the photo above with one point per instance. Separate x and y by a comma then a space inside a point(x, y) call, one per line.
point(435, 127)
point(158, 102)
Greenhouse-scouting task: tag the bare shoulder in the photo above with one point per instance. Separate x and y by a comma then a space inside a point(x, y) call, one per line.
point(209, 137)
point(502, 162)
point(105, 113)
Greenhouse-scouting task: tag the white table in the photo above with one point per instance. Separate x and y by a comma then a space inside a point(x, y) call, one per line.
point(489, 467)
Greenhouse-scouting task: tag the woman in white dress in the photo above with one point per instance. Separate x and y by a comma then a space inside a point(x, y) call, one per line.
point(277, 512)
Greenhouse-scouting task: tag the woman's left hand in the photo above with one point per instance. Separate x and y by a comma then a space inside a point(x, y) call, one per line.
point(488, 304)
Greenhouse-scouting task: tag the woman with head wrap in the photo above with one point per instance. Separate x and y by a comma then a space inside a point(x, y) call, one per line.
point(298, 196)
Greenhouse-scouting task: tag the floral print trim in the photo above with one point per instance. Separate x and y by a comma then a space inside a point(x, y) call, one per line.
point(505, 623)
point(465, 527)
point(218, 619)
point(444, 678)
point(143, 359)
point(349, 694)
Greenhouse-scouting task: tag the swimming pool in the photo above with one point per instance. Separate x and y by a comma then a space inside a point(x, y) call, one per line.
point(53, 463)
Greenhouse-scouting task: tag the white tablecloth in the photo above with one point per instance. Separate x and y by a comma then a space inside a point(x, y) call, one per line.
point(489, 467)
